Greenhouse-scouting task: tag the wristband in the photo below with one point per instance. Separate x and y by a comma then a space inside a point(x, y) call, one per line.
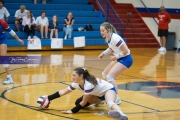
point(77, 108)
point(107, 51)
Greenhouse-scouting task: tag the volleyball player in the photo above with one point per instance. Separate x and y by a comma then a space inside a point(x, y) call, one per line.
point(121, 59)
point(3, 46)
point(95, 90)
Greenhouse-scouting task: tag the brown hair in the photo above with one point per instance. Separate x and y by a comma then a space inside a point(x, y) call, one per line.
point(31, 15)
point(86, 75)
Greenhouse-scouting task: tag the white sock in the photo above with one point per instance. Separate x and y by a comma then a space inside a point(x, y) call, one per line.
point(8, 76)
point(122, 114)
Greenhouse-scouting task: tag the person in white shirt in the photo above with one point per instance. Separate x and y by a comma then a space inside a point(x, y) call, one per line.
point(19, 16)
point(42, 24)
point(3, 11)
point(29, 24)
point(94, 89)
point(121, 59)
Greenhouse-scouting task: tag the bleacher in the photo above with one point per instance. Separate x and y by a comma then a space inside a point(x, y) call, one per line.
point(83, 12)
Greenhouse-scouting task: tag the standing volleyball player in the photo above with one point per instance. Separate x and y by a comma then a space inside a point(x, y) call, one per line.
point(3, 46)
point(95, 90)
point(121, 59)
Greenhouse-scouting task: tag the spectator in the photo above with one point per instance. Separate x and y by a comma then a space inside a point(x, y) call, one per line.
point(69, 21)
point(53, 25)
point(3, 11)
point(29, 24)
point(19, 16)
point(164, 19)
point(42, 24)
point(43, 1)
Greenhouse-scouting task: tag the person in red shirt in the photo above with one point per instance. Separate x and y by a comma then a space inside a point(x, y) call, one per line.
point(164, 19)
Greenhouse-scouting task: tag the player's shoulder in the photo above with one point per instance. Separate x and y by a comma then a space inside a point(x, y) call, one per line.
point(87, 84)
point(116, 37)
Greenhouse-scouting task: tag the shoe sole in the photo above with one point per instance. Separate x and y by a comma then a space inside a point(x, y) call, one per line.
point(118, 103)
point(116, 114)
point(8, 83)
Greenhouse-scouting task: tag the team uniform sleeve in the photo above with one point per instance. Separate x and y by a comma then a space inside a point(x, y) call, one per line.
point(118, 41)
point(6, 26)
point(73, 86)
point(88, 88)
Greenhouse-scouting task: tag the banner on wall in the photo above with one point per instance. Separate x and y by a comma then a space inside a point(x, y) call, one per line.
point(34, 44)
point(56, 43)
point(79, 41)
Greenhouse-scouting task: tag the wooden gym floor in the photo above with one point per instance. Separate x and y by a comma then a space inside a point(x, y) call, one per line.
point(150, 89)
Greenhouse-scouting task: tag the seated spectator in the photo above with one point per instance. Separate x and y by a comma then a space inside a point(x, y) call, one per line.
point(3, 11)
point(29, 24)
point(19, 16)
point(43, 1)
point(53, 25)
point(69, 21)
point(42, 24)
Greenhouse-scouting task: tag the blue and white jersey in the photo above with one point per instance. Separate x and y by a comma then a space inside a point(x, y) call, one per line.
point(89, 88)
point(115, 43)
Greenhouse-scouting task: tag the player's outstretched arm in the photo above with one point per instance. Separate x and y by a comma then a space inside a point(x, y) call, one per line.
point(79, 106)
point(19, 40)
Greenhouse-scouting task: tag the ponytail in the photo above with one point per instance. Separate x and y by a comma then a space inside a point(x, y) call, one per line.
point(86, 75)
point(109, 27)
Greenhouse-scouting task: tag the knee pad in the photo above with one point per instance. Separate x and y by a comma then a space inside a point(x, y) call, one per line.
point(109, 78)
point(110, 104)
point(5, 65)
point(104, 75)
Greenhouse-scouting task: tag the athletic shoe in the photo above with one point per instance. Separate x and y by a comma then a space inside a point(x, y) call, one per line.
point(34, 37)
point(160, 49)
point(164, 49)
point(116, 114)
point(118, 100)
point(65, 37)
point(99, 103)
point(29, 37)
point(8, 81)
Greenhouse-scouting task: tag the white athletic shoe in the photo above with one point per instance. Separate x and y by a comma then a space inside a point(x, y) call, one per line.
point(65, 37)
point(99, 103)
point(34, 37)
point(160, 49)
point(8, 81)
point(29, 37)
point(116, 114)
point(118, 100)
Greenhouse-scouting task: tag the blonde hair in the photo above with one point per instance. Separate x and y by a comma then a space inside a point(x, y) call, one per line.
point(109, 27)
point(22, 7)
